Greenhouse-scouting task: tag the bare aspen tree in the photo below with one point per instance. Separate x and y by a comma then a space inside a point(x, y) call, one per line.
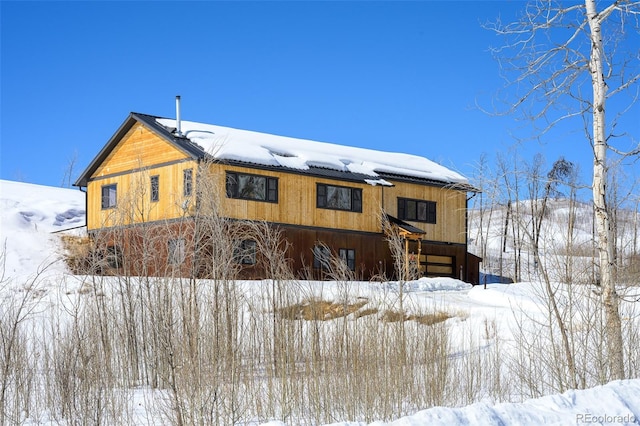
point(552, 50)
point(480, 206)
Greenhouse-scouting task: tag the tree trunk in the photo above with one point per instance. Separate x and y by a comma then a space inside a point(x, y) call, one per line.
point(605, 240)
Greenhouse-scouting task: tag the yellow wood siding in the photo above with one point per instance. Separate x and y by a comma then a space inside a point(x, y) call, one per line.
point(142, 154)
point(450, 209)
point(297, 202)
point(139, 148)
point(134, 203)
point(138, 156)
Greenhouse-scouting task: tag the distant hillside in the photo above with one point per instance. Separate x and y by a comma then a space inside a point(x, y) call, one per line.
point(29, 214)
point(504, 238)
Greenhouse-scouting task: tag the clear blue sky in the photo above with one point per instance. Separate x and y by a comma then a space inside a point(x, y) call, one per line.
point(395, 76)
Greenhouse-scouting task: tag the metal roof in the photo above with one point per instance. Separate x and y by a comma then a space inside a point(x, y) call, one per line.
point(197, 153)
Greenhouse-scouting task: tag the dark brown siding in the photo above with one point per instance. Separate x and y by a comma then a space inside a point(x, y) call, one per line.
point(143, 250)
point(372, 252)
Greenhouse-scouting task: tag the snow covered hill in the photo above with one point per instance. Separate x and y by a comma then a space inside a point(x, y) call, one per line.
point(31, 215)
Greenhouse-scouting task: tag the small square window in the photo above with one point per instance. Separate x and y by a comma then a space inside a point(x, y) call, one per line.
point(176, 251)
point(245, 252)
point(114, 257)
point(349, 257)
point(109, 196)
point(321, 257)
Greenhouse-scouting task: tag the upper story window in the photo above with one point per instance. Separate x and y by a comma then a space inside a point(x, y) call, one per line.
point(109, 196)
point(417, 210)
point(252, 187)
point(187, 182)
point(155, 188)
point(339, 198)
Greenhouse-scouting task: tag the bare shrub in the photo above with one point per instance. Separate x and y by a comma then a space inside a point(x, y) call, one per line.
point(18, 356)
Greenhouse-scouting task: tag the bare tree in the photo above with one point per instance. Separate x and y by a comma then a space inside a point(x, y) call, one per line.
point(69, 170)
point(552, 52)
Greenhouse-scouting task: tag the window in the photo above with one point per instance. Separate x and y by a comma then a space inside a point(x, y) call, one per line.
point(417, 210)
point(176, 251)
point(114, 257)
point(109, 193)
point(155, 188)
point(252, 187)
point(338, 198)
point(187, 182)
point(321, 257)
point(245, 252)
point(349, 257)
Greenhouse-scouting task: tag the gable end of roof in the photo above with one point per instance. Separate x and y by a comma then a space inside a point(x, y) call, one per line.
point(149, 122)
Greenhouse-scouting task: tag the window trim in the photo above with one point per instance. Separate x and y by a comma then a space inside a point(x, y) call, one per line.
point(430, 212)
point(355, 197)
point(271, 187)
point(155, 189)
point(104, 189)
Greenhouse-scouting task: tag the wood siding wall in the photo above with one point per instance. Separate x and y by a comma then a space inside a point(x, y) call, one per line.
point(372, 255)
point(450, 209)
point(139, 148)
point(142, 154)
point(297, 202)
point(138, 156)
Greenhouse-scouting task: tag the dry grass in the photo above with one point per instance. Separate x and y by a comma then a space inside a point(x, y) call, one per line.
point(431, 319)
point(77, 251)
point(322, 310)
point(366, 312)
point(424, 319)
point(393, 316)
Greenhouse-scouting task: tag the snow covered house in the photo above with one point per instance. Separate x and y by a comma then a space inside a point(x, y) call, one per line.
point(319, 195)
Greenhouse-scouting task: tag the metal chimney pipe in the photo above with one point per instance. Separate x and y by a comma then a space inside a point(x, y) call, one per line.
point(178, 124)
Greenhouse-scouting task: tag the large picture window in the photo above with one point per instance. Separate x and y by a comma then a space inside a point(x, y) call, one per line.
point(417, 210)
point(109, 196)
point(252, 187)
point(339, 198)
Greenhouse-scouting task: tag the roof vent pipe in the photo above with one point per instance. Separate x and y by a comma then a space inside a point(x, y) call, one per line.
point(178, 123)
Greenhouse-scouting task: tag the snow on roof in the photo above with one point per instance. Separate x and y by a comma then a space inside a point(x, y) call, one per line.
point(225, 143)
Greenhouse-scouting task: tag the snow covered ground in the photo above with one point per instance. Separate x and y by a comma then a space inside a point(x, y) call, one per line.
point(31, 215)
